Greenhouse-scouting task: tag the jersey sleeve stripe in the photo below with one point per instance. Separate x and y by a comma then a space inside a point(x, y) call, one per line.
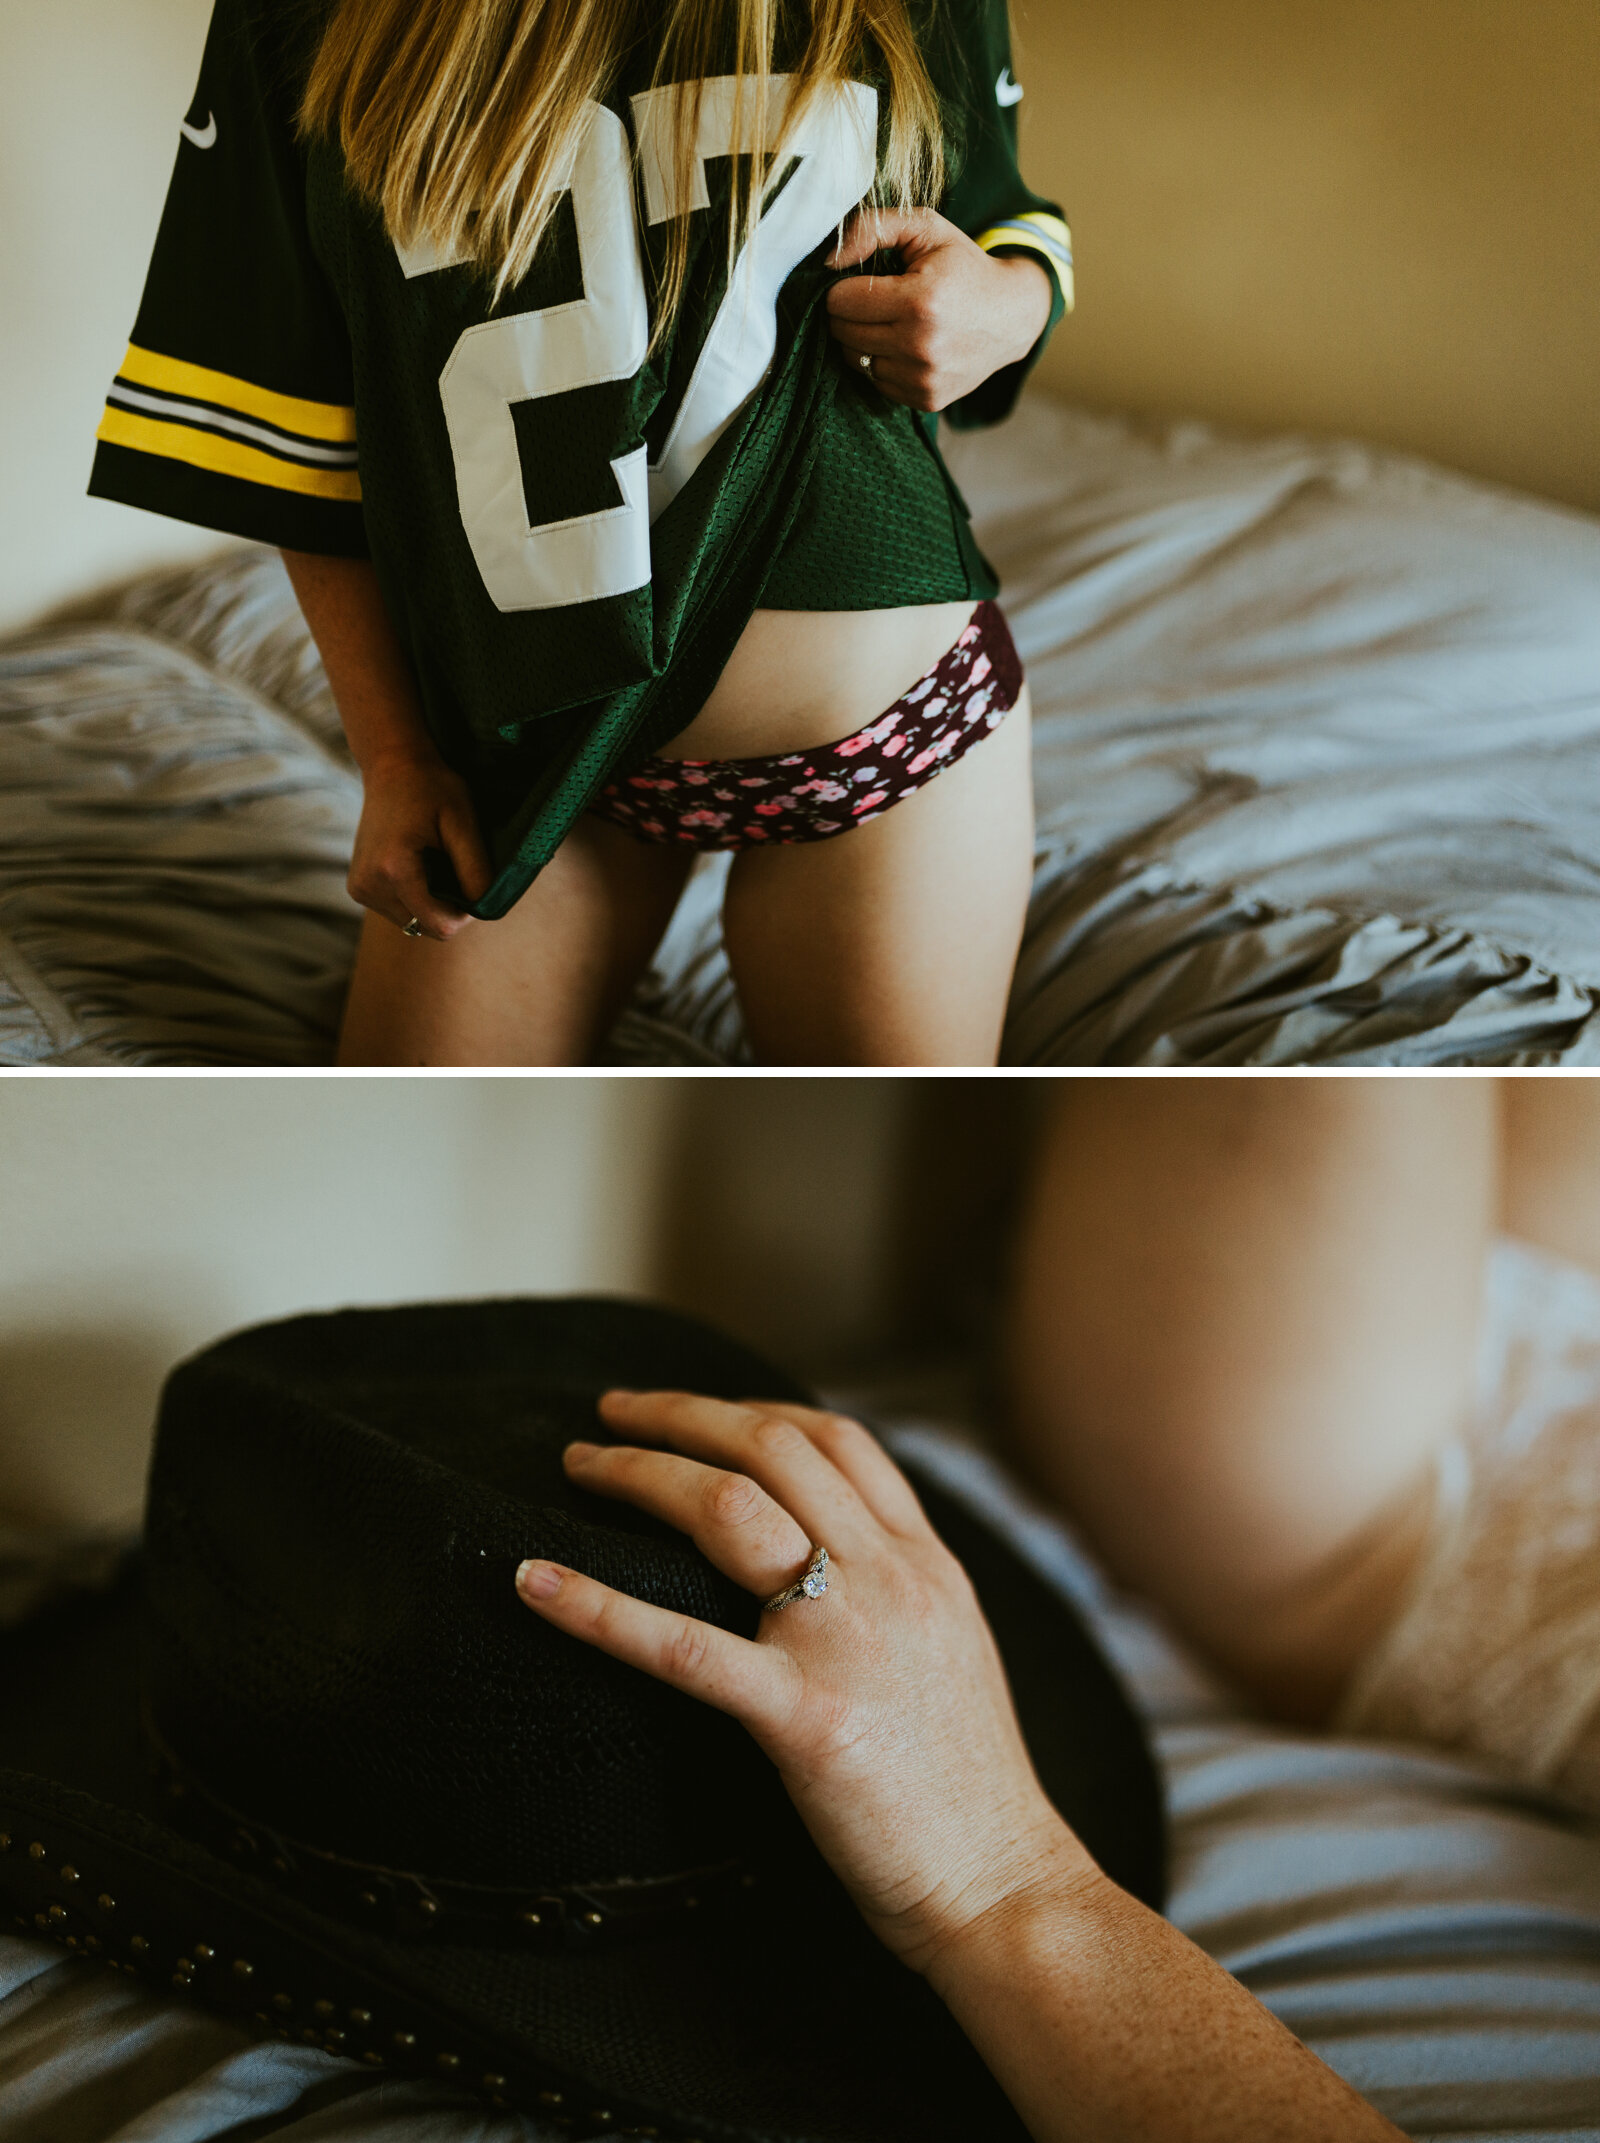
point(1045, 235)
point(328, 421)
point(218, 420)
point(224, 456)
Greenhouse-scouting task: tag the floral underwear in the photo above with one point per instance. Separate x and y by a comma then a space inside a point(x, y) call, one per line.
point(810, 795)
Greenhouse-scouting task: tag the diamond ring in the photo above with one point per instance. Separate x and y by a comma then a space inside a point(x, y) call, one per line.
point(811, 1584)
point(865, 361)
point(413, 929)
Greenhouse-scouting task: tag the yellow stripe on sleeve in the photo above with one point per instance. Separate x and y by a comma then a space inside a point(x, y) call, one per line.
point(171, 375)
point(225, 457)
point(1048, 239)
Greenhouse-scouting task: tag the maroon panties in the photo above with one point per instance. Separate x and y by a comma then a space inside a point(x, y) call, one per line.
point(810, 795)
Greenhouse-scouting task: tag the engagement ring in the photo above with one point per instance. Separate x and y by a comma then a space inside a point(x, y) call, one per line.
point(810, 1585)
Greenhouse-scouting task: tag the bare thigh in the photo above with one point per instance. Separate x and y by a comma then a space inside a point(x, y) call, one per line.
point(1244, 1320)
point(541, 986)
point(894, 943)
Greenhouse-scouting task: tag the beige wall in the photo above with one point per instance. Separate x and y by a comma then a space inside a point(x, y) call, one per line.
point(831, 1222)
point(1376, 216)
point(147, 1216)
point(91, 92)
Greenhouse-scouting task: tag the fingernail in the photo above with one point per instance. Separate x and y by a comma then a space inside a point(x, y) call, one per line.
point(580, 1451)
point(538, 1581)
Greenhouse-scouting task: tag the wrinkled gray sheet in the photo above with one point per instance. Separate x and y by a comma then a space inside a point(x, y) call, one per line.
point(1433, 1933)
point(1318, 759)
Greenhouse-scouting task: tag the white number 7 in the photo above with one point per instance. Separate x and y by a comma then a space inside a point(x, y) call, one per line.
point(605, 334)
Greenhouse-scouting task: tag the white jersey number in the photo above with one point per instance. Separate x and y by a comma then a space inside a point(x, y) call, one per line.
point(605, 334)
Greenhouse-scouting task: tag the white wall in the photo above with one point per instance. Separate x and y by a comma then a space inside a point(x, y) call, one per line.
point(146, 1217)
point(91, 92)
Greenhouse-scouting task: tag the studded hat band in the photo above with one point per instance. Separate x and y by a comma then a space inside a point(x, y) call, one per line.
point(393, 1902)
point(150, 1921)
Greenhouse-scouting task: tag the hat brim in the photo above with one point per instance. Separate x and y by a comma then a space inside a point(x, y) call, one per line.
point(780, 2020)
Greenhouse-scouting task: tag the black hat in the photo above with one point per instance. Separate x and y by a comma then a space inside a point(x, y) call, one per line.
point(312, 1762)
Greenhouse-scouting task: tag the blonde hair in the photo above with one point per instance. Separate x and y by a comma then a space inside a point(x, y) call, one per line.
point(457, 117)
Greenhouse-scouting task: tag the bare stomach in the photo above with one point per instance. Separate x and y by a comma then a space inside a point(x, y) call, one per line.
point(803, 677)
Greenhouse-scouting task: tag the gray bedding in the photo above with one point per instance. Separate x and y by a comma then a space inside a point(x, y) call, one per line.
point(1318, 758)
point(1431, 1931)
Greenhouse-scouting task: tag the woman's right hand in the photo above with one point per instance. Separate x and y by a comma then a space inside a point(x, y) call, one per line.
point(412, 801)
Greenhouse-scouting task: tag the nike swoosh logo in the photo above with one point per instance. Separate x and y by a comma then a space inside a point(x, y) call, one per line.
point(1005, 90)
point(204, 137)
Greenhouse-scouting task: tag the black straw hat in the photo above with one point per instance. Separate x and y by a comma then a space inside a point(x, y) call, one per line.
point(314, 1764)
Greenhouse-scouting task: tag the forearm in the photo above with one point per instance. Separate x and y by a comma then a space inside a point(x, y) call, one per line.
point(367, 670)
point(1104, 2024)
point(412, 802)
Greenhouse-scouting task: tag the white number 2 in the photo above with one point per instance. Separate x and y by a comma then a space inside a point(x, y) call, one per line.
point(604, 335)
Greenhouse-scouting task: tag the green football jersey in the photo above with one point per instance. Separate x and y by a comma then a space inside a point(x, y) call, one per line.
point(570, 528)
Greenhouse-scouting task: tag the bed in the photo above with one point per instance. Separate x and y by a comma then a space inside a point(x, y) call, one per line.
point(1431, 1930)
point(1318, 765)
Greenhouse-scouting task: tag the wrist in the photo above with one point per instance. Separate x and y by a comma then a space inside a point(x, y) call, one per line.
point(399, 759)
point(1044, 1879)
point(1031, 289)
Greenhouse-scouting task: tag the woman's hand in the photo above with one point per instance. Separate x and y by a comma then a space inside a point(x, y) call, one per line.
point(949, 322)
point(884, 1704)
point(885, 1707)
point(412, 801)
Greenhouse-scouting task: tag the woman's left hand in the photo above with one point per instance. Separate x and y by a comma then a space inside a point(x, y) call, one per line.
point(883, 1704)
point(954, 317)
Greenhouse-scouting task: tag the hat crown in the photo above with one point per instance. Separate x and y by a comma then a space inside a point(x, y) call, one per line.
point(334, 1646)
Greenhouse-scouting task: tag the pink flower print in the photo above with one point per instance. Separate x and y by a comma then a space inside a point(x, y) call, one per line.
point(825, 825)
point(852, 745)
point(937, 706)
point(794, 759)
point(769, 810)
point(704, 818)
point(755, 833)
point(972, 633)
point(922, 760)
point(695, 781)
point(867, 802)
point(980, 670)
point(866, 773)
point(895, 746)
point(918, 691)
point(653, 826)
point(829, 792)
point(978, 704)
point(643, 781)
point(724, 796)
point(753, 781)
